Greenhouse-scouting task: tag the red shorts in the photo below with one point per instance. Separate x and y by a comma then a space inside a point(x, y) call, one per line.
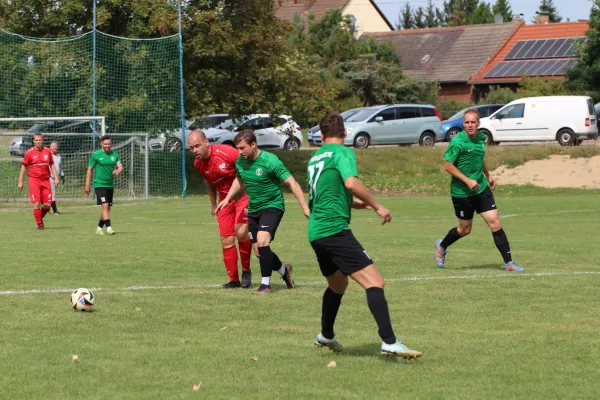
point(234, 213)
point(40, 191)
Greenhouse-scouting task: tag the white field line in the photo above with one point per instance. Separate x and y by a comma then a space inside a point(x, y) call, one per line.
point(315, 283)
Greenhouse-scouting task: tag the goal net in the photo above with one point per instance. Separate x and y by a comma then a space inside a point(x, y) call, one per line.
point(77, 138)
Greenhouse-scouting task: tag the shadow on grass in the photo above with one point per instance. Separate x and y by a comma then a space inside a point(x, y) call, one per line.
point(370, 350)
point(482, 266)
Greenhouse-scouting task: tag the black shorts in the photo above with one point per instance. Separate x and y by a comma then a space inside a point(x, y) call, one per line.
point(104, 195)
point(341, 251)
point(266, 220)
point(464, 208)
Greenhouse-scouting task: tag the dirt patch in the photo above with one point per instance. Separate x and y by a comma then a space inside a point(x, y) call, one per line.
point(558, 171)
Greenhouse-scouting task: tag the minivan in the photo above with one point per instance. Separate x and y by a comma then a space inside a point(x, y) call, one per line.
point(566, 119)
point(402, 124)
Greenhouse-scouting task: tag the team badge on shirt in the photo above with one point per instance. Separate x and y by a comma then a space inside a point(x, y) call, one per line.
point(259, 171)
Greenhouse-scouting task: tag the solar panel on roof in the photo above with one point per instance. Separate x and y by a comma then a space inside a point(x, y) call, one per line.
point(536, 68)
point(493, 73)
point(528, 45)
point(547, 67)
point(559, 68)
point(544, 48)
point(511, 54)
point(513, 70)
point(536, 46)
point(558, 46)
point(516, 68)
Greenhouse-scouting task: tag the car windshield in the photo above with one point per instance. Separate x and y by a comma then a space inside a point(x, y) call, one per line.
point(362, 115)
point(347, 114)
point(458, 115)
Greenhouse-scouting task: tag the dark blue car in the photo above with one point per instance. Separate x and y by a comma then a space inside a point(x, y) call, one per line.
point(453, 125)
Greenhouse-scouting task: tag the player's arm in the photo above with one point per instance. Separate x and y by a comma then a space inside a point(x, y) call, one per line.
point(88, 177)
point(298, 194)
point(489, 177)
point(358, 190)
point(56, 180)
point(212, 193)
point(455, 172)
point(21, 175)
point(119, 168)
point(359, 204)
point(235, 190)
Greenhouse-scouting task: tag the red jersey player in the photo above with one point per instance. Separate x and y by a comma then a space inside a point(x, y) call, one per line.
point(38, 162)
point(216, 163)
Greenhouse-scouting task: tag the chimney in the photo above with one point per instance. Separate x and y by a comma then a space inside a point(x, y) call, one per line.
point(518, 18)
point(542, 17)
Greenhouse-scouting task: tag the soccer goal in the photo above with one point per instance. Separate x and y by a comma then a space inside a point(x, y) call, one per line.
point(77, 138)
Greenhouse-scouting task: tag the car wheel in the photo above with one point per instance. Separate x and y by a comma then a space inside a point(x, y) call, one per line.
point(173, 145)
point(361, 141)
point(427, 139)
point(489, 139)
point(291, 144)
point(565, 137)
point(578, 142)
point(451, 133)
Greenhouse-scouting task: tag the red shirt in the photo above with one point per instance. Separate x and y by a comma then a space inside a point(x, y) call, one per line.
point(38, 162)
point(219, 169)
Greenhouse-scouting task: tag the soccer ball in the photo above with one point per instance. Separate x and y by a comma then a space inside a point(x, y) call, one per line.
point(82, 299)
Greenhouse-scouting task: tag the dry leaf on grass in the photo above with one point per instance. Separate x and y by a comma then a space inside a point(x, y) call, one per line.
point(137, 309)
point(332, 364)
point(75, 358)
point(223, 328)
point(195, 388)
point(254, 358)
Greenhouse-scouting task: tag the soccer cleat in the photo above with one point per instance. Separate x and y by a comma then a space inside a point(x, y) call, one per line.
point(58, 213)
point(246, 279)
point(109, 231)
point(398, 349)
point(263, 289)
point(440, 254)
point(287, 278)
point(99, 232)
point(41, 228)
point(512, 266)
point(232, 285)
point(332, 344)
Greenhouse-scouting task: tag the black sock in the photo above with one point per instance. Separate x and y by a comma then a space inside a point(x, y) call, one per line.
point(502, 245)
point(331, 305)
point(107, 222)
point(266, 261)
point(53, 205)
point(100, 223)
point(379, 308)
point(276, 262)
point(450, 238)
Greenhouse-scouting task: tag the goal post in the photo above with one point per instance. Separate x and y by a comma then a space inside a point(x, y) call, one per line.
point(77, 138)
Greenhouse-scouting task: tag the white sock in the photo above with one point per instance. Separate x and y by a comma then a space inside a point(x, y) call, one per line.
point(98, 228)
point(282, 270)
point(266, 280)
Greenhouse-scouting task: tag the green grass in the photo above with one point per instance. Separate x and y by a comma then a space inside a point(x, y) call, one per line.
point(491, 334)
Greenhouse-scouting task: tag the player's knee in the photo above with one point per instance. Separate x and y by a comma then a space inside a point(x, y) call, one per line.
point(464, 230)
point(495, 225)
point(227, 241)
point(241, 235)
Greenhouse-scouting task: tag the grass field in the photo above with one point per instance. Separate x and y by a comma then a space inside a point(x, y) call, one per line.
point(162, 324)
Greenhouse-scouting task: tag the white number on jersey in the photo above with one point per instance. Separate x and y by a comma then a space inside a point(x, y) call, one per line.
point(314, 178)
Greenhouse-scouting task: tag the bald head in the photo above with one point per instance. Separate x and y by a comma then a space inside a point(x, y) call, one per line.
point(199, 144)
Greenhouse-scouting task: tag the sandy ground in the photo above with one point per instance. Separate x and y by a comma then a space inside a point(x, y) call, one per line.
point(555, 172)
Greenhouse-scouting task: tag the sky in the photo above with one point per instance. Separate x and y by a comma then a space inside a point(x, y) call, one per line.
point(572, 9)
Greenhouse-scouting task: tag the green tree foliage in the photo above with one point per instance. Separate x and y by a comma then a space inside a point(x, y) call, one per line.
point(405, 18)
point(584, 77)
point(503, 8)
point(481, 15)
point(549, 7)
point(431, 20)
point(528, 87)
point(419, 18)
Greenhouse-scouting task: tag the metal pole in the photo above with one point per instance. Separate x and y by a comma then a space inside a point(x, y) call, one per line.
point(183, 177)
point(94, 76)
point(146, 168)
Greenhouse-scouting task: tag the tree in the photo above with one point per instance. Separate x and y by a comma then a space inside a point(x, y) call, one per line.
point(431, 20)
point(419, 18)
point(584, 76)
point(549, 7)
point(503, 8)
point(406, 20)
point(481, 15)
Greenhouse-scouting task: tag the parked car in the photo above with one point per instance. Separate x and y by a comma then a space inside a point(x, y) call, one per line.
point(171, 140)
point(402, 124)
point(286, 134)
point(314, 134)
point(17, 148)
point(454, 125)
point(597, 111)
point(566, 119)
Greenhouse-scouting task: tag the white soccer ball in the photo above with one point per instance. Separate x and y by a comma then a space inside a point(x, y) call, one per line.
point(82, 299)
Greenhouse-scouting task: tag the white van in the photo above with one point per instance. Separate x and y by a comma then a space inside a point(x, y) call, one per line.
point(566, 119)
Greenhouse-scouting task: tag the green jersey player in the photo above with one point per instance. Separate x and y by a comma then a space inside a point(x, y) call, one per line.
point(333, 184)
point(261, 174)
point(471, 190)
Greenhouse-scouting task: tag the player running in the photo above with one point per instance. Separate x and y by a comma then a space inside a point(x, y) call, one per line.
point(261, 174)
point(38, 162)
point(470, 191)
point(333, 180)
point(107, 164)
point(216, 163)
